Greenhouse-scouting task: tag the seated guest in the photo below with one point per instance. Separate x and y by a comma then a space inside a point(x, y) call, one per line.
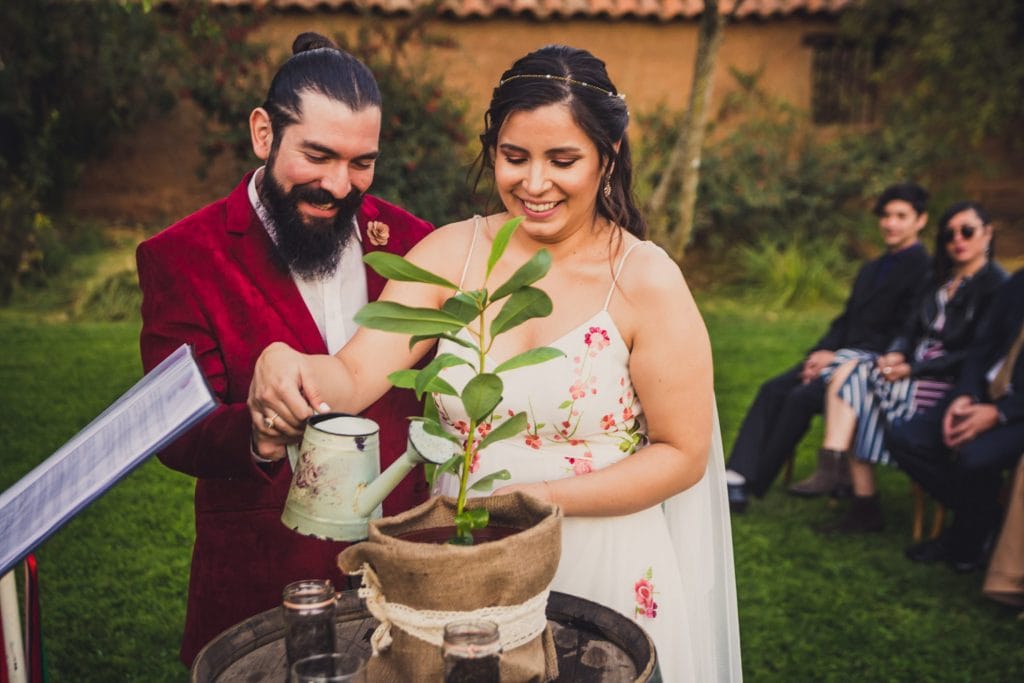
point(875, 311)
point(958, 450)
point(866, 393)
point(1004, 580)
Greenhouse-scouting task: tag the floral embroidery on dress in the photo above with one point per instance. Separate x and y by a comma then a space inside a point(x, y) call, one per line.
point(622, 426)
point(598, 409)
point(461, 427)
point(643, 591)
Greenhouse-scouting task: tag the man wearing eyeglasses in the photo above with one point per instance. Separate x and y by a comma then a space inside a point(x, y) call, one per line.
point(878, 306)
point(958, 451)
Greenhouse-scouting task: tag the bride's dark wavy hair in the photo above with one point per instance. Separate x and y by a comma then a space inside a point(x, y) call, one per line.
point(596, 108)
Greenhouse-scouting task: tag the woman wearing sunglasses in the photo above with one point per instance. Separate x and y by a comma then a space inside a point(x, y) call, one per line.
point(867, 392)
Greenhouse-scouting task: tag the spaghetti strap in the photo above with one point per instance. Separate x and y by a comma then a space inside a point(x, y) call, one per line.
point(472, 246)
point(618, 271)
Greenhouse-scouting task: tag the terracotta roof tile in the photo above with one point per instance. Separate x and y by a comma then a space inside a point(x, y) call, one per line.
point(664, 10)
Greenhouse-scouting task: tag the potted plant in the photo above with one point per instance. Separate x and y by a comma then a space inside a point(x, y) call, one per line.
point(415, 588)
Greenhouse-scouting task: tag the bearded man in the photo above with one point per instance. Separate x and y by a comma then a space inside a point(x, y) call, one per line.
point(278, 259)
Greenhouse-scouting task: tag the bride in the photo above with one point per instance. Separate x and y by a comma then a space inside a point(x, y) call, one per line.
point(623, 433)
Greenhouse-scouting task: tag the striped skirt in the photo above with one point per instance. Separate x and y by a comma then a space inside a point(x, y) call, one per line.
point(877, 402)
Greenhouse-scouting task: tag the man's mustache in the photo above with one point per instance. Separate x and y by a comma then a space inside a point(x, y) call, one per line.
point(321, 197)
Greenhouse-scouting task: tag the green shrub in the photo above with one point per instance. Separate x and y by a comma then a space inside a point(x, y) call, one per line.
point(768, 177)
point(114, 299)
point(784, 275)
point(224, 71)
point(73, 75)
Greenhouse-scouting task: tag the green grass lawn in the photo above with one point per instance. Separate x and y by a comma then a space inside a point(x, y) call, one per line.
point(811, 609)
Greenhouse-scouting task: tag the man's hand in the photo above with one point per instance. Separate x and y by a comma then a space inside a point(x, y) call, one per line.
point(815, 363)
point(965, 420)
point(270, 447)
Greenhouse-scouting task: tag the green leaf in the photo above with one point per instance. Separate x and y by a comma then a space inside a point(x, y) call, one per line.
point(462, 536)
point(403, 379)
point(431, 427)
point(461, 306)
point(407, 379)
point(392, 317)
point(487, 483)
point(394, 267)
point(528, 273)
point(478, 297)
point(481, 394)
point(523, 305)
point(564, 404)
point(450, 337)
point(430, 373)
point(506, 430)
point(501, 240)
point(473, 518)
point(531, 357)
point(449, 465)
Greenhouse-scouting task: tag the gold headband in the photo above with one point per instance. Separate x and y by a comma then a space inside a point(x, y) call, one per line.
point(566, 79)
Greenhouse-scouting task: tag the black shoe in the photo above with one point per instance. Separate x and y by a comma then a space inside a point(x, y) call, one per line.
point(840, 491)
point(737, 497)
point(967, 565)
point(965, 560)
point(864, 515)
point(928, 552)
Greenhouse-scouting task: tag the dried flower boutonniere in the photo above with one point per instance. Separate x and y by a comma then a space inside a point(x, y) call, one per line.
point(378, 233)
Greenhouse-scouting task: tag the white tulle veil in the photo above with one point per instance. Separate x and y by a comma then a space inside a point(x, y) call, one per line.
point(699, 523)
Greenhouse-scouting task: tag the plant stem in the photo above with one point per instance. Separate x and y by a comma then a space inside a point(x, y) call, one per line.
point(467, 455)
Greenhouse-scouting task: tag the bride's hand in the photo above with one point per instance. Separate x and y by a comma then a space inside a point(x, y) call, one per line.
point(276, 402)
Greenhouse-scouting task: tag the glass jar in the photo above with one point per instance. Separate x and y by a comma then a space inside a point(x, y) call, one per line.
point(308, 608)
point(472, 652)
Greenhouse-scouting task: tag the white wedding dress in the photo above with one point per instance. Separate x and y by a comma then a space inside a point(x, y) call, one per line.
point(670, 566)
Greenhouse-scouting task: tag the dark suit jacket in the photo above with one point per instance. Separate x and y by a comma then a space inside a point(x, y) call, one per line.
point(878, 307)
point(996, 333)
point(963, 313)
point(213, 280)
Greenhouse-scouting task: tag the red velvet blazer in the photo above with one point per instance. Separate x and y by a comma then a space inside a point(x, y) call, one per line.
point(212, 280)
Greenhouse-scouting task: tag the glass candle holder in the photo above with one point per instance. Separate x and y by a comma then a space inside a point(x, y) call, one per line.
point(472, 652)
point(309, 608)
point(330, 668)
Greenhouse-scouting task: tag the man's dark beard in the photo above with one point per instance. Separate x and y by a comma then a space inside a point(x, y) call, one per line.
point(310, 247)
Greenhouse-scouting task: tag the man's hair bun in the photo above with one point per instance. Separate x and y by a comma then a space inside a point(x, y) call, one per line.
point(311, 41)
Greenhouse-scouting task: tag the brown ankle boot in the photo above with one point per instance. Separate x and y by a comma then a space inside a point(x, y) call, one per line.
point(863, 516)
point(844, 485)
point(824, 479)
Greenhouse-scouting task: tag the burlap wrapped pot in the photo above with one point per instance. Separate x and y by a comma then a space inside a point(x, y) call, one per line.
point(420, 585)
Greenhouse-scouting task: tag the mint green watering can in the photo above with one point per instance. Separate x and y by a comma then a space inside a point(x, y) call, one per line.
point(337, 485)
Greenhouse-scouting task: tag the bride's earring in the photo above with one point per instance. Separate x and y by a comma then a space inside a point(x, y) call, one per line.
point(608, 181)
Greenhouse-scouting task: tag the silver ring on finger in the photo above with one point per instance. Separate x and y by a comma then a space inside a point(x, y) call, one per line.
point(268, 422)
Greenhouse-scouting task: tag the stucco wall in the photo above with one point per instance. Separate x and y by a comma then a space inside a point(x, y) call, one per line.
point(150, 175)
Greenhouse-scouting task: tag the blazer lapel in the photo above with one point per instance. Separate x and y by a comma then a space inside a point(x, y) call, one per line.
point(253, 250)
point(368, 212)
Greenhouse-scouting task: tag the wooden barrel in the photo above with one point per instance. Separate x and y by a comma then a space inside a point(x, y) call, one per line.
point(594, 644)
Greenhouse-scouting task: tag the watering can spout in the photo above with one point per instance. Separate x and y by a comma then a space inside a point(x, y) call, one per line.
point(337, 486)
point(422, 448)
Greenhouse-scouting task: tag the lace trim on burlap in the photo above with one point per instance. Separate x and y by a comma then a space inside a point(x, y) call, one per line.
point(517, 624)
